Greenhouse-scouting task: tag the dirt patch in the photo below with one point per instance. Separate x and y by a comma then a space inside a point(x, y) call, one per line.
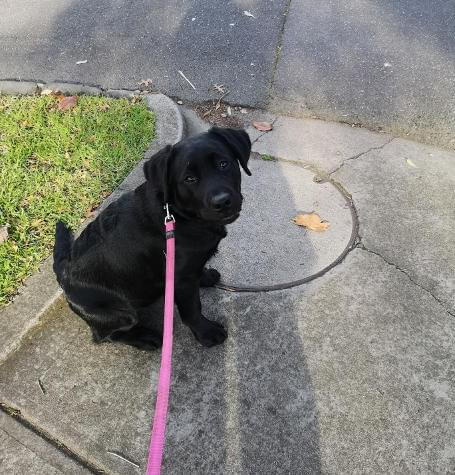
point(217, 113)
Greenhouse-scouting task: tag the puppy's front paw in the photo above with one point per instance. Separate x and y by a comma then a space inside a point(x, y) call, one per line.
point(209, 333)
point(210, 277)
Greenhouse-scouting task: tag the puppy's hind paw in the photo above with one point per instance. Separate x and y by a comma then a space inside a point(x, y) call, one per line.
point(210, 277)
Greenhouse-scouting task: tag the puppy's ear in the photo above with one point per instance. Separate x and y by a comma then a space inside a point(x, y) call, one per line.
point(238, 141)
point(156, 168)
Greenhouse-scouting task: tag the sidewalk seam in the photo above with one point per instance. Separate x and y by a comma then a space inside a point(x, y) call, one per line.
point(398, 268)
point(17, 415)
point(27, 447)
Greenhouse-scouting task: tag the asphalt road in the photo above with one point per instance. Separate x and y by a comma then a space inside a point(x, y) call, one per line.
point(384, 65)
point(125, 42)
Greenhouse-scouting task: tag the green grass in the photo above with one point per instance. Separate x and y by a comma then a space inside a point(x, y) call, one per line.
point(59, 165)
point(267, 157)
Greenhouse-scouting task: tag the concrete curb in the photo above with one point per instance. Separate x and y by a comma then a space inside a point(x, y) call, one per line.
point(41, 293)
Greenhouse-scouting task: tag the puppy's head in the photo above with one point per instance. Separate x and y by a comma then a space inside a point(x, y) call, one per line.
point(202, 174)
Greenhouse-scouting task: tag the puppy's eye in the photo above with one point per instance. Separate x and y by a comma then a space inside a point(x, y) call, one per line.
point(190, 179)
point(223, 164)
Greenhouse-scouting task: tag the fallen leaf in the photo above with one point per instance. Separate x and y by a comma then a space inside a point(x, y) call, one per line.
point(46, 92)
point(81, 62)
point(311, 221)
point(104, 107)
point(247, 13)
point(263, 126)
point(3, 233)
point(411, 163)
point(66, 103)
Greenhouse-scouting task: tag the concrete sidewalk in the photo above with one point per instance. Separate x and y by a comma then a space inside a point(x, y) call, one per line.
point(350, 372)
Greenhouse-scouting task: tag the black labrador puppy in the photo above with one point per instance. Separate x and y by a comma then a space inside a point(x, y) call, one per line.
point(114, 271)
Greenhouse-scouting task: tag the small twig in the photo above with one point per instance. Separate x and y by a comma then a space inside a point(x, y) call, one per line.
point(41, 386)
point(219, 88)
point(186, 79)
point(218, 104)
point(123, 458)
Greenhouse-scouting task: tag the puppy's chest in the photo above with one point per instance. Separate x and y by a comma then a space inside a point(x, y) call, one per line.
point(201, 244)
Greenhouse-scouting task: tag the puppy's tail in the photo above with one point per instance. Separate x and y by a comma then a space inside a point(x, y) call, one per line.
point(62, 249)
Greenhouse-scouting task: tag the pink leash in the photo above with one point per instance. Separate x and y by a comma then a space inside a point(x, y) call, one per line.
point(156, 447)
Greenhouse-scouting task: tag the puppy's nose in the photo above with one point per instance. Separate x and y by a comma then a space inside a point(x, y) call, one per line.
point(221, 201)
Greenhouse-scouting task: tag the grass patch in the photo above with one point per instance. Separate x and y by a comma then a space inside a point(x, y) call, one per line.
point(59, 165)
point(267, 158)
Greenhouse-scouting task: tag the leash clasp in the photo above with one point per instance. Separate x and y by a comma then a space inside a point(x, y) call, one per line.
point(169, 217)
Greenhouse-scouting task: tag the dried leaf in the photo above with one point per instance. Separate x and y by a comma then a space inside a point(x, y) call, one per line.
point(46, 92)
point(247, 13)
point(263, 126)
point(66, 103)
point(311, 221)
point(3, 233)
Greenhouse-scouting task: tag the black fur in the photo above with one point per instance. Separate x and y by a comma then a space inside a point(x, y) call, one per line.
point(114, 272)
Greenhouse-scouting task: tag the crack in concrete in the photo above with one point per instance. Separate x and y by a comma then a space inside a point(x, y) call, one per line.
point(355, 157)
point(362, 246)
point(278, 48)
